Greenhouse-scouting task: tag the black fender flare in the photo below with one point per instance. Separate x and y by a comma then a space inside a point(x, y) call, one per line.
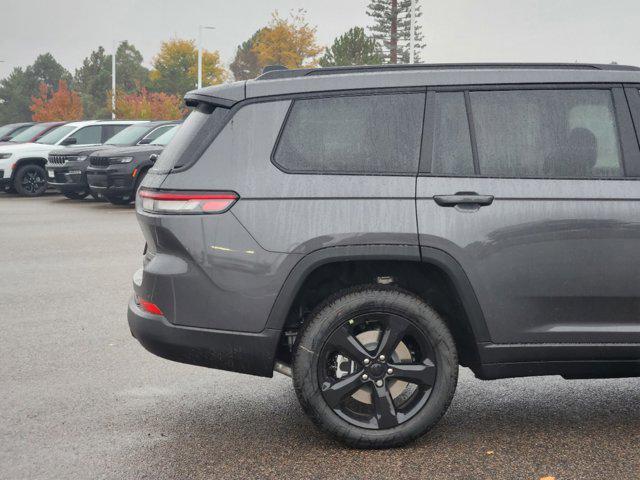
point(434, 256)
point(29, 160)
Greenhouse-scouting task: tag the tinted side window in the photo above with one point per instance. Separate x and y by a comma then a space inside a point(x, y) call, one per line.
point(109, 131)
point(359, 134)
point(88, 135)
point(452, 154)
point(158, 131)
point(546, 133)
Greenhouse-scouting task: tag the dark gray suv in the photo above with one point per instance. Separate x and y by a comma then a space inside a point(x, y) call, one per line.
point(368, 230)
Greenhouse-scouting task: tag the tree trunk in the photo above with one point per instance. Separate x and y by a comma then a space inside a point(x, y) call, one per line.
point(393, 43)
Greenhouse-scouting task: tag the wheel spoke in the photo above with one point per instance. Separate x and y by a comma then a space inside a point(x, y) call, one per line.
point(384, 407)
point(391, 336)
point(335, 393)
point(421, 374)
point(344, 342)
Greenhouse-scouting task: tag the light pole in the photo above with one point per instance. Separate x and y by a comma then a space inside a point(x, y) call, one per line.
point(113, 79)
point(113, 82)
point(200, 28)
point(413, 32)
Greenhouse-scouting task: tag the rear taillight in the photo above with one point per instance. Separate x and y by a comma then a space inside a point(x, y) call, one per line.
point(149, 307)
point(186, 202)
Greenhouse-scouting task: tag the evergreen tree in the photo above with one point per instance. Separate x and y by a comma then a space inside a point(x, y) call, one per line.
point(93, 79)
point(17, 89)
point(353, 48)
point(245, 65)
point(392, 27)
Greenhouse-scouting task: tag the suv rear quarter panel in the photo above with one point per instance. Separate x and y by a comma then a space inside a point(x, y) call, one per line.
point(298, 213)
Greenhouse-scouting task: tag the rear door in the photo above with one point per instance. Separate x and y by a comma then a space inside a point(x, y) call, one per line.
point(534, 191)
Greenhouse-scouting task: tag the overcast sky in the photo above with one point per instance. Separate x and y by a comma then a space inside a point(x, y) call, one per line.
point(455, 30)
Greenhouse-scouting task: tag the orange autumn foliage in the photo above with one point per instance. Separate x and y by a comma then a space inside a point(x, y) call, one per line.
point(146, 105)
point(291, 43)
point(61, 105)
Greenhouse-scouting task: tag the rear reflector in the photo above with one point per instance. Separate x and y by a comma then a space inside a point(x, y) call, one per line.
point(149, 307)
point(186, 202)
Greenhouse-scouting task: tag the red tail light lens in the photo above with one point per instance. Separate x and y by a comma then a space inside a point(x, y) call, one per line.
point(186, 202)
point(149, 307)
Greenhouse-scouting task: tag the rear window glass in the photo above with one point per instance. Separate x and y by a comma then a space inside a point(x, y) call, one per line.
point(166, 137)
point(547, 133)
point(452, 153)
point(56, 135)
point(29, 133)
point(89, 135)
point(129, 135)
point(158, 132)
point(5, 130)
point(354, 134)
point(192, 138)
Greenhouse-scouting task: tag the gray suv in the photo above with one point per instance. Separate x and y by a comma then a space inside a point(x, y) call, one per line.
point(368, 230)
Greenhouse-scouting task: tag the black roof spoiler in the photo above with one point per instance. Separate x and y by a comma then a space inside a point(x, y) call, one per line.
point(192, 99)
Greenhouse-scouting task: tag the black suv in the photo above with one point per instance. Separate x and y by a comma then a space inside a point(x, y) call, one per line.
point(66, 168)
point(116, 173)
point(368, 230)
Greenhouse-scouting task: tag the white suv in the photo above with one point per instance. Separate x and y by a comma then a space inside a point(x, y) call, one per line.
point(22, 165)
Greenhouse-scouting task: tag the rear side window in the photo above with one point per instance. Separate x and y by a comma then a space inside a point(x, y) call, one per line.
point(89, 135)
point(158, 131)
point(452, 154)
point(377, 134)
point(546, 133)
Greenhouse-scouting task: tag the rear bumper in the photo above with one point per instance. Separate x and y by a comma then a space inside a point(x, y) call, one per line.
point(251, 353)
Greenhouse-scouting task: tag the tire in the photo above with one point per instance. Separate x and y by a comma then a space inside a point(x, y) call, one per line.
point(30, 180)
point(76, 195)
point(384, 409)
point(126, 200)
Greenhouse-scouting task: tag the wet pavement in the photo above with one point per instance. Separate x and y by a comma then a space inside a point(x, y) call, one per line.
point(80, 398)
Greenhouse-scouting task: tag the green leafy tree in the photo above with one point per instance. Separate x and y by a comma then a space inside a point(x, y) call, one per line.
point(15, 97)
point(392, 27)
point(93, 79)
point(17, 89)
point(353, 48)
point(245, 64)
point(175, 67)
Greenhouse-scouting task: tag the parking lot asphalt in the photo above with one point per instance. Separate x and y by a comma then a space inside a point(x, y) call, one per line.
point(80, 398)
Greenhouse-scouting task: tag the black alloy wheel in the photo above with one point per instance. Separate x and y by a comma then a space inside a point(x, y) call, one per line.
point(377, 370)
point(31, 180)
point(375, 367)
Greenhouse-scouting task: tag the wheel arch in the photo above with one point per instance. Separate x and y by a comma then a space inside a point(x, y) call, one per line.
point(425, 258)
point(27, 161)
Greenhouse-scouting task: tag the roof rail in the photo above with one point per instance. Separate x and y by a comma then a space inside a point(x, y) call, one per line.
point(273, 68)
point(279, 73)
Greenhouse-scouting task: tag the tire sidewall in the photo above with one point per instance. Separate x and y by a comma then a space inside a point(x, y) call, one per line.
point(19, 176)
point(337, 311)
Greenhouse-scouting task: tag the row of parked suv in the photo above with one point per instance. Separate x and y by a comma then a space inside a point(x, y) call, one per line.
point(106, 159)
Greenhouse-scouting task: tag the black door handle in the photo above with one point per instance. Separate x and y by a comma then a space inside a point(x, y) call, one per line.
point(463, 198)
